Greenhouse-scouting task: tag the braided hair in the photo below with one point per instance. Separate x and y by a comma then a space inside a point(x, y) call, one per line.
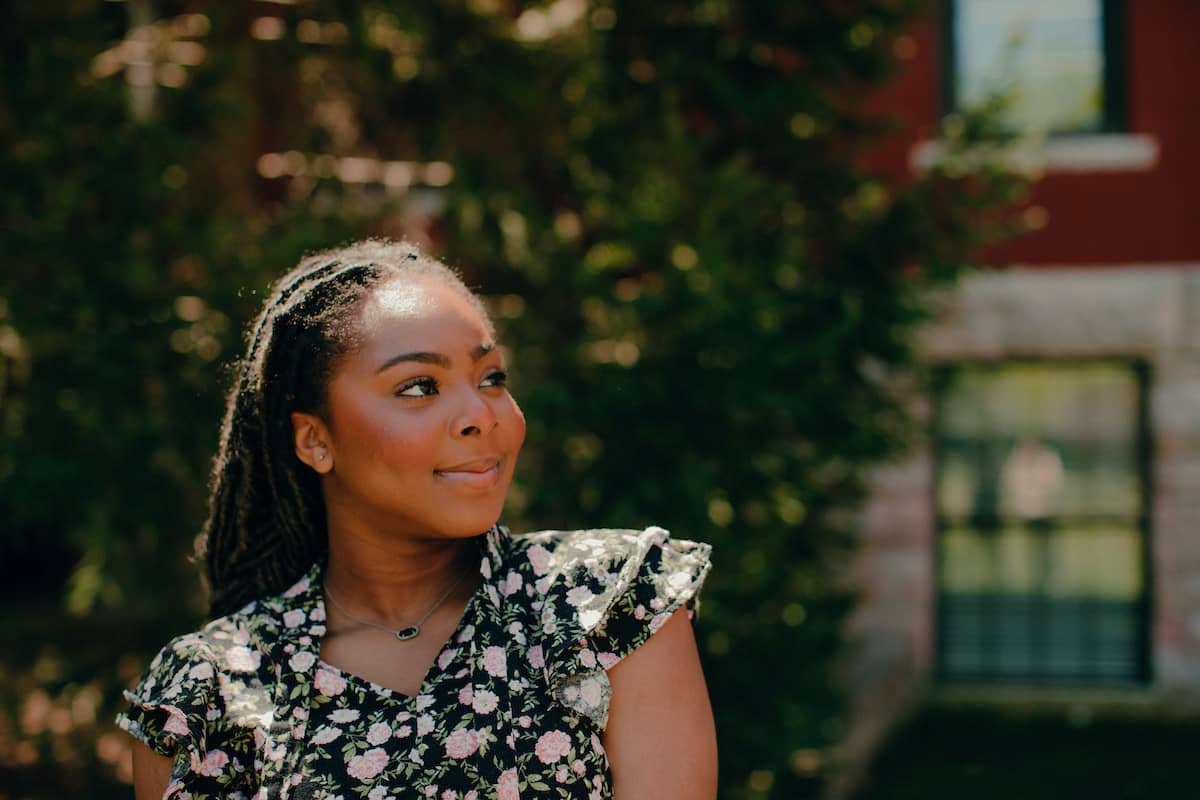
point(266, 515)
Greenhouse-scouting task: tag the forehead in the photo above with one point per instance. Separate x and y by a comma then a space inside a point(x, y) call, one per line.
point(419, 314)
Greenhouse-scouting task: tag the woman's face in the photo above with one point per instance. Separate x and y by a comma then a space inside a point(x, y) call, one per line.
point(421, 433)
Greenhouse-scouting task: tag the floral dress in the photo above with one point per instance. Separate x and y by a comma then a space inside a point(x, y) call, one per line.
point(514, 706)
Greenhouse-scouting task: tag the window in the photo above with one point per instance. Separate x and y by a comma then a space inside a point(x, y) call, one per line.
point(1060, 59)
point(1042, 512)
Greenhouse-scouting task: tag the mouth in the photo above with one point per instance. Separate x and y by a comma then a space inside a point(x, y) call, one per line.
point(483, 473)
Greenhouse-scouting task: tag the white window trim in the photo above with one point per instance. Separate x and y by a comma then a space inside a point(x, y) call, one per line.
point(1066, 153)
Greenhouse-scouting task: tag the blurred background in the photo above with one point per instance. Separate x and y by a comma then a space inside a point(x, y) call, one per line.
point(896, 303)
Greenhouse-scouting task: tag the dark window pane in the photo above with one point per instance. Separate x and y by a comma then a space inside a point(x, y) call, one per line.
point(1040, 501)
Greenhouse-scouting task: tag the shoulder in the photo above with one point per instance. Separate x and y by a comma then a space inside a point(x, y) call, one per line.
point(227, 644)
point(578, 577)
point(242, 641)
point(572, 554)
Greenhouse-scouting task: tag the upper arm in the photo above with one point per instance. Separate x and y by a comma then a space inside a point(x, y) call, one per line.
point(660, 737)
point(151, 772)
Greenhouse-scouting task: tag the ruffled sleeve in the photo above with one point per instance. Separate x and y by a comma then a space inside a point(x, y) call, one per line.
point(177, 710)
point(606, 593)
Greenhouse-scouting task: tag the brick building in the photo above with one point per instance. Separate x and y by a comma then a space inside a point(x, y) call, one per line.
point(1045, 545)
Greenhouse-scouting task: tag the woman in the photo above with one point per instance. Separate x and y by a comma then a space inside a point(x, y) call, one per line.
point(369, 641)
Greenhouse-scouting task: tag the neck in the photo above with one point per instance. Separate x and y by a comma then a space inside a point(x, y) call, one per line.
point(392, 578)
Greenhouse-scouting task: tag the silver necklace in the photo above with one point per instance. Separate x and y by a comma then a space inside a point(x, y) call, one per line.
point(406, 633)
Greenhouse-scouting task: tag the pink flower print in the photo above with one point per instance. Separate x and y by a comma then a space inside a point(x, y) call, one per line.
point(325, 735)
point(607, 660)
point(657, 621)
point(525, 721)
point(403, 730)
point(430, 791)
point(657, 603)
point(471, 795)
point(293, 618)
point(536, 659)
point(449, 794)
point(298, 587)
point(467, 634)
point(329, 683)
point(512, 582)
point(494, 663)
point(639, 611)
point(592, 692)
point(484, 702)
point(242, 659)
point(446, 657)
point(404, 716)
point(201, 672)
point(176, 721)
point(579, 595)
point(378, 733)
point(378, 793)
point(578, 767)
point(587, 658)
point(317, 614)
point(539, 558)
point(214, 760)
point(462, 743)
point(508, 787)
point(552, 746)
point(343, 715)
point(367, 765)
point(302, 661)
point(424, 725)
point(561, 775)
point(466, 694)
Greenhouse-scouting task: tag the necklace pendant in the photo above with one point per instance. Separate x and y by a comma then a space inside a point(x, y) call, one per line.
point(404, 634)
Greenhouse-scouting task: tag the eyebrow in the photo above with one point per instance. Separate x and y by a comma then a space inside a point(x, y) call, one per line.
point(440, 360)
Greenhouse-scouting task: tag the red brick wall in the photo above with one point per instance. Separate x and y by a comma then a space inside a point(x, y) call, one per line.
point(1098, 218)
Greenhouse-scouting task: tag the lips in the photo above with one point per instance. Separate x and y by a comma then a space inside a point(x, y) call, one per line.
point(482, 473)
point(477, 465)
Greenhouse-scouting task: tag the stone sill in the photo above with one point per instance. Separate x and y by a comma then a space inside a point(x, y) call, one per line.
point(1069, 153)
point(1082, 703)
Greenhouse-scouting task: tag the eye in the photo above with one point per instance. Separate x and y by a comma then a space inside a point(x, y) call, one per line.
point(499, 378)
point(418, 387)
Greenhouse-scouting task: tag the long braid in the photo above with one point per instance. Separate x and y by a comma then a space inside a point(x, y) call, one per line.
point(266, 522)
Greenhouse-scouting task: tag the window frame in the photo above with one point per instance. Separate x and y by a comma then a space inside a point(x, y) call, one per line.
point(1115, 111)
point(1144, 606)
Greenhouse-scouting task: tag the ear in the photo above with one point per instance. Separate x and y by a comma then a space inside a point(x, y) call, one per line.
point(311, 439)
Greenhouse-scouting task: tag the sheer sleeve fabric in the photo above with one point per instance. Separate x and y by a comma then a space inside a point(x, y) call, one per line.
point(178, 711)
point(607, 593)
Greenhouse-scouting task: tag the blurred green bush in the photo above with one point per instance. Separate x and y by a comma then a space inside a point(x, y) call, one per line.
point(708, 297)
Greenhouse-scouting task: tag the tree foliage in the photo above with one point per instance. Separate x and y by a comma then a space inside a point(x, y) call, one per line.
point(705, 293)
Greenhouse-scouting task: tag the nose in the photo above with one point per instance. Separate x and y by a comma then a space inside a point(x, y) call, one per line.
point(475, 417)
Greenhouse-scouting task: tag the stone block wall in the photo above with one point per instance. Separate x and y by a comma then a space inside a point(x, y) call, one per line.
point(1149, 313)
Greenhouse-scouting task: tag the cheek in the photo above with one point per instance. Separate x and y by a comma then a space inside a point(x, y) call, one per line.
point(371, 434)
point(516, 426)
